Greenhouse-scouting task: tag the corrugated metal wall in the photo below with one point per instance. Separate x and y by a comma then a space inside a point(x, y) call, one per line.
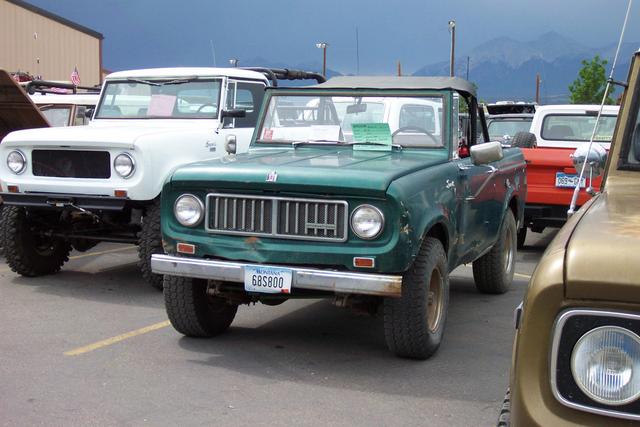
point(36, 44)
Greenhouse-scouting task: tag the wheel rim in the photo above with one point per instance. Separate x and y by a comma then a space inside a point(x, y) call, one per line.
point(434, 300)
point(508, 251)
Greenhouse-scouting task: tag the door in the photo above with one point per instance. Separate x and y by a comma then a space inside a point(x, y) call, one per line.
point(247, 96)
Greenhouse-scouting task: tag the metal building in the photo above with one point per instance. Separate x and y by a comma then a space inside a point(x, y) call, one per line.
point(36, 41)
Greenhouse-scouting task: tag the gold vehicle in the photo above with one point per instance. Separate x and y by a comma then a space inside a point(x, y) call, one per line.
point(576, 355)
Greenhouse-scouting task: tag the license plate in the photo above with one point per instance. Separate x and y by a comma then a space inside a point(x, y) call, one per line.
point(569, 181)
point(270, 280)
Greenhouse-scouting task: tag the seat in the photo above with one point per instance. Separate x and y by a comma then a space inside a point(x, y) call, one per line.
point(559, 132)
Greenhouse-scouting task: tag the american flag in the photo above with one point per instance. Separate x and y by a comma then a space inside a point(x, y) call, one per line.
point(75, 76)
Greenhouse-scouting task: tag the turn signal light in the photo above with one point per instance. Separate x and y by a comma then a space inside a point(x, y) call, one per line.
point(13, 189)
point(186, 248)
point(364, 262)
point(120, 193)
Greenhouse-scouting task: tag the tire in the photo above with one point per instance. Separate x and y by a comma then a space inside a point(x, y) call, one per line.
point(25, 252)
point(192, 312)
point(522, 236)
point(150, 243)
point(524, 140)
point(414, 324)
point(493, 272)
point(504, 419)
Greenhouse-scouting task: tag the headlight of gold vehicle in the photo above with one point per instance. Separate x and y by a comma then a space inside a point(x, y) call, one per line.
point(189, 210)
point(367, 222)
point(605, 364)
point(124, 165)
point(17, 162)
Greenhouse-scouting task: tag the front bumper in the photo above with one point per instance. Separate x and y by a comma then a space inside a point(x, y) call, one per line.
point(302, 278)
point(52, 200)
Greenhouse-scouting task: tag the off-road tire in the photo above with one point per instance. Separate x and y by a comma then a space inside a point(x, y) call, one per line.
point(26, 253)
point(150, 243)
point(194, 313)
point(504, 419)
point(413, 326)
point(522, 237)
point(524, 140)
point(493, 272)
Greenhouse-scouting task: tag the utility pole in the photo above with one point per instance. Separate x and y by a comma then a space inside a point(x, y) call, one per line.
point(468, 59)
point(357, 52)
point(399, 69)
point(538, 88)
point(323, 46)
point(452, 30)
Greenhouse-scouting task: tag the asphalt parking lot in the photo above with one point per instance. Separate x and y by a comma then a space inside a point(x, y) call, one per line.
point(92, 345)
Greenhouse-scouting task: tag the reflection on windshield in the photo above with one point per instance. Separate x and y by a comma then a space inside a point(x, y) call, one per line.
point(406, 121)
point(166, 99)
point(57, 116)
point(500, 128)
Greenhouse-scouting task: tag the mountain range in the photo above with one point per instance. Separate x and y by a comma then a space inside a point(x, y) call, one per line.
point(505, 68)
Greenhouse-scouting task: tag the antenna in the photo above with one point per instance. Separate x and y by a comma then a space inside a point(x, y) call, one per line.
point(357, 52)
point(213, 52)
point(576, 191)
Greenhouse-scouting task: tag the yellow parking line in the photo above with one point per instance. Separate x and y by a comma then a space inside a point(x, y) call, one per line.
point(113, 340)
point(108, 251)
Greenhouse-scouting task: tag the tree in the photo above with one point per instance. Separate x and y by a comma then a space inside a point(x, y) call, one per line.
point(590, 85)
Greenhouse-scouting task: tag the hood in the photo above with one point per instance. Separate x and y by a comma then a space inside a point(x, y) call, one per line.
point(602, 254)
point(17, 111)
point(308, 169)
point(116, 135)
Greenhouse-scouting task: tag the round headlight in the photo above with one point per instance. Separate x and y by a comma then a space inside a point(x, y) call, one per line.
point(189, 210)
point(17, 162)
point(124, 165)
point(367, 222)
point(605, 364)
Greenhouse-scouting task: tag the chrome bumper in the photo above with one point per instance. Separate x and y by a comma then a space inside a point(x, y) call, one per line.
point(302, 278)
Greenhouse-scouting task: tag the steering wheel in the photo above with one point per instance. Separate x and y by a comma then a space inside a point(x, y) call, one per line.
point(206, 105)
point(416, 129)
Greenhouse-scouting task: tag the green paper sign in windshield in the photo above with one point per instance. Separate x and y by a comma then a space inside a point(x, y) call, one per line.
point(372, 136)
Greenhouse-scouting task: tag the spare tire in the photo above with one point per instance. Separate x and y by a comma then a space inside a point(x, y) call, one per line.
point(524, 140)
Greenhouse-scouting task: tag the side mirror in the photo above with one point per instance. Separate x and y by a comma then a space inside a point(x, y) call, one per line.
point(596, 158)
point(235, 113)
point(230, 145)
point(482, 154)
point(88, 113)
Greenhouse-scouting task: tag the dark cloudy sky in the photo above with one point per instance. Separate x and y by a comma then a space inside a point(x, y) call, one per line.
point(148, 33)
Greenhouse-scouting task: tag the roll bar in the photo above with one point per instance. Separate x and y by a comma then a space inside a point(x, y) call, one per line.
point(275, 74)
point(45, 86)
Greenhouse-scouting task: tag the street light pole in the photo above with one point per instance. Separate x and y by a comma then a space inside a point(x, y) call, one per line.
point(452, 30)
point(323, 46)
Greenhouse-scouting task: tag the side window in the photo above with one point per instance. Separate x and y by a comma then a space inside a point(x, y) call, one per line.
point(80, 118)
point(248, 97)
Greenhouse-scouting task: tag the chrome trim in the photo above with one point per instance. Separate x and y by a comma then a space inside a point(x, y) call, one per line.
point(556, 333)
point(272, 229)
point(24, 162)
point(133, 165)
point(302, 278)
point(381, 220)
point(202, 209)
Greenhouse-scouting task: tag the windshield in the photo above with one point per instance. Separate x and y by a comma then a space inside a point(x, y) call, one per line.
point(165, 99)
point(501, 128)
point(57, 116)
point(578, 127)
point(399, 120)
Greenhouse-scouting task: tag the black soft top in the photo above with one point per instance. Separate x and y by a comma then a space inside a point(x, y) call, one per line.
point(398, 82)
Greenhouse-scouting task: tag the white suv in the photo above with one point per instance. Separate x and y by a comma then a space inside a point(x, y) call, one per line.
point(73, 187)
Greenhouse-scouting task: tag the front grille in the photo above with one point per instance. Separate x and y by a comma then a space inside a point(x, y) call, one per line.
point(289, 218)
point(71, 163)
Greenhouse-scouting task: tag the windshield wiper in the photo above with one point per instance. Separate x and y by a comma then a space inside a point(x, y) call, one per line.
point(398, 146)
point(162, 83)
point(315, 141)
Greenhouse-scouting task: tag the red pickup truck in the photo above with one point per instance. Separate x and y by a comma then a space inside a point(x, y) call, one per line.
point(551, 177)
